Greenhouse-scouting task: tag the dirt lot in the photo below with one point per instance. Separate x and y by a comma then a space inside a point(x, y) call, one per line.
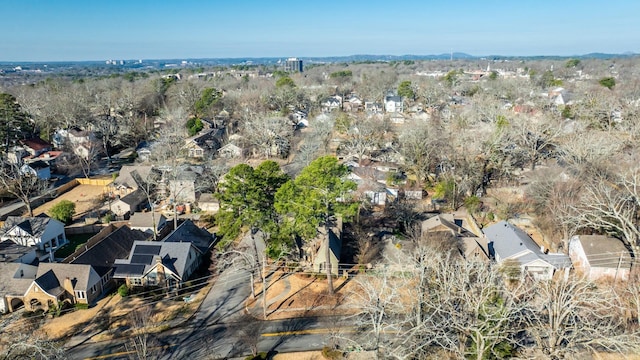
point(307, 295)
point(86, 198)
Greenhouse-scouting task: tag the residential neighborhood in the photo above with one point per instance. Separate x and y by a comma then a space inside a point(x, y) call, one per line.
point(245, 205)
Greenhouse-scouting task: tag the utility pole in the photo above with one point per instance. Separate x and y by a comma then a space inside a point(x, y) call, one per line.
point(264, 289)
point(615, 278)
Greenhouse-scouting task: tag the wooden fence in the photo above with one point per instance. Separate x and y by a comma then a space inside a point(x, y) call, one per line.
point(94, 182)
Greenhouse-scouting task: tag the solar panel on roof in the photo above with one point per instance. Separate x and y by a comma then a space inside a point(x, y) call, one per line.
point(123, 270)
point(147, 249)
point(141, 259)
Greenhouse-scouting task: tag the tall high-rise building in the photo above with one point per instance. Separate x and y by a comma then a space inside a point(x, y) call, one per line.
point(293, 65)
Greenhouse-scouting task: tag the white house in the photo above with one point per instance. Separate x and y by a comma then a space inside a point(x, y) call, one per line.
point(598, 257)
point(508, 242)
point(39, 169)
point(43, 232)
point(393, 103)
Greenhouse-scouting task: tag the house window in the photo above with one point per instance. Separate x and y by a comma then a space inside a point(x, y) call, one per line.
point(94, 288)
point(135, 281)
point(81, 295)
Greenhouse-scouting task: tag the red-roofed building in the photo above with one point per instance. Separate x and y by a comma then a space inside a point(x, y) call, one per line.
point(36, 146)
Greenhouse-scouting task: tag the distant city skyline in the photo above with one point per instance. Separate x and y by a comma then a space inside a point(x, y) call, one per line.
point(74, 30)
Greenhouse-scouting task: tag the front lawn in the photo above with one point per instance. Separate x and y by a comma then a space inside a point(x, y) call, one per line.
point(72, 245)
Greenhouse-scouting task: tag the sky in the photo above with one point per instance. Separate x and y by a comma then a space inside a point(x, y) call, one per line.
point(78, 30)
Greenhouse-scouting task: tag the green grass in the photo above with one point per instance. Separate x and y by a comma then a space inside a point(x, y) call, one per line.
point(72, 245)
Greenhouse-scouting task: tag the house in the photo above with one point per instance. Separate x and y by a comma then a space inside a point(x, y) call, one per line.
point(15, 279)
point(164, 264)
point(352, 104)
point(393, 103)
point(58, 283)
point(130, 203)
point(144, 221)
point(232, 151)
point(314, 252)
point(72, 138)
point(372, 107)
point(130, 177)
point(599, 257)
point(36, 146)
point(189, 232)
point(12, 252)
point(508, 242)
point(144, 150)
point(445, 223)
point(101, 250)
point(471, 247)
point(40, 169)
point(207, 202)
point(204, 144)
point(397, 118)
point(331, 103)
point(183, 188)
point(474, 248)
point(43, 232)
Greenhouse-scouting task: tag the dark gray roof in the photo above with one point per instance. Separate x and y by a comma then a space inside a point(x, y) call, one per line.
point(189, 232)
point(103, 254)
point(37, 165)
point(82, 276)
point(143, 258)
point(35, 226)
point(135, 198)
point(10, 251)
point(128, 174)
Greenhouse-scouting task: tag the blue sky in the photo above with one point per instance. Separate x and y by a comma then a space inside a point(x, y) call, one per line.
point(60, 30)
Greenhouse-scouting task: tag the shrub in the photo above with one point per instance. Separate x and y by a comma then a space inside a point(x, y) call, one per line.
point(123, 290)
point(81, 306)
point(331, 354)
point(63, 211)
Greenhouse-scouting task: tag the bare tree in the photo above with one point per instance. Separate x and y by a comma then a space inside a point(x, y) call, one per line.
point(570, 316)
point(28, 347)
point(23, 186)
point(140, 341)
point(438, 303)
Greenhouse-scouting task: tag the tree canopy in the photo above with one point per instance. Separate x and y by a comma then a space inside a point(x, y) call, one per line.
point(285, 82)
point(318, 193)
point(210, 97)
point(247, 197)
point(405, 89)
point(607, 82)
point(14, 122)
point(63, 211)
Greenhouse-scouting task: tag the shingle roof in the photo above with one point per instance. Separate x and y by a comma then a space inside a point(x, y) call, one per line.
point(34, 226)
point(36, 144)
point(103, 254)
point(144, 256)
point(127, 174)
point(134, 198)
point(605, 251)
point(10, 251)
point(82, 276)
point(189, 232)
point(15, 278)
